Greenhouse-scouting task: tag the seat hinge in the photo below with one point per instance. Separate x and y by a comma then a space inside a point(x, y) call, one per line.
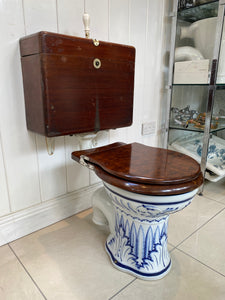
point(83, 161)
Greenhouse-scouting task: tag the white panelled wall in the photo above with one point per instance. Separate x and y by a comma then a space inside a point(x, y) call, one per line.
point(37, 189)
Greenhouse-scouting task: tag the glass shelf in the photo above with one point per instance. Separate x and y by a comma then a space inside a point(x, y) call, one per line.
point(202, 11)
point(190, 84)
point(180, 127)
point(219, 86)
point(192, 128)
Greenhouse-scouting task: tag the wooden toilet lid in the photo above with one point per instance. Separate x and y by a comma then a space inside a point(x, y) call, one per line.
point(143, 164)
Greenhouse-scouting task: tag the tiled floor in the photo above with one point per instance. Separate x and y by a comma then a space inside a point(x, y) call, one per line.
point(67, 260)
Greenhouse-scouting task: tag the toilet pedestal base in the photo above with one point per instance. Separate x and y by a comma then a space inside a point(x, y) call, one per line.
point(137, 243)
point(139, 246)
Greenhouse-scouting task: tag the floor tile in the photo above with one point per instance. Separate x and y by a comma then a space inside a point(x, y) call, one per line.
point(68, 261)
point(208, 244)
point(15, 283)
point(185, 222)
point(188, 279)
point(170, 247)
point(85, 213)
point(215, 190)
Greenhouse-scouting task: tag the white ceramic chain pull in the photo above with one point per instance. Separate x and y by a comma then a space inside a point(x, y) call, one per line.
point(86, 21)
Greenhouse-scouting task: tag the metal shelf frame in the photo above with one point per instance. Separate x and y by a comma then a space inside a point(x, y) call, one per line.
point(212, 86)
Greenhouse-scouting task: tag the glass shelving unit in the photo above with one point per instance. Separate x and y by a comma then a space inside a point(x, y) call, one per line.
point(197, 108)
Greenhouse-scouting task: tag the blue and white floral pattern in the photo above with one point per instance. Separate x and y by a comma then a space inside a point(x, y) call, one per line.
point(192, 145)
point(139, 241)
point(145, 210)
point(141, 248)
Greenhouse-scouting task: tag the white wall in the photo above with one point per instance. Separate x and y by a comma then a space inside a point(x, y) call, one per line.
point(29, 177)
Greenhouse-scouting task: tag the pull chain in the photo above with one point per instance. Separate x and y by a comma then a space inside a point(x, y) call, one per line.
point(86, 21)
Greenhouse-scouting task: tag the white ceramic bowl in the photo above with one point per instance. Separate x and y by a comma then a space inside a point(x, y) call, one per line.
point(187, 53)
point(203, 34)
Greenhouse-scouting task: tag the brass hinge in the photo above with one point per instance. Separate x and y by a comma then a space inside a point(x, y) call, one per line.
point(83, 162)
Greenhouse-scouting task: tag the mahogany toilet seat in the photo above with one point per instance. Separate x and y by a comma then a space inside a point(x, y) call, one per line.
point(143, 169)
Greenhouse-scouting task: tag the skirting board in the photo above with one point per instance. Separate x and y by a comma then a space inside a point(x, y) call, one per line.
point(19, 224)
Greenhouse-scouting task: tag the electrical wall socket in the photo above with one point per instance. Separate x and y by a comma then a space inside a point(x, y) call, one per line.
point(148, 128)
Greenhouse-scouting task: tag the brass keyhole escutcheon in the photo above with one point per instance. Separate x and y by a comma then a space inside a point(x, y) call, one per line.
point(97, 63)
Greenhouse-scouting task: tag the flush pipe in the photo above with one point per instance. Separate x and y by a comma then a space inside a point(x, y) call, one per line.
point(87, 140)
point(103, 210)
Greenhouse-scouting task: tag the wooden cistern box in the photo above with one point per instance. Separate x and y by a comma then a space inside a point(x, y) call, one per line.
point(74, 85)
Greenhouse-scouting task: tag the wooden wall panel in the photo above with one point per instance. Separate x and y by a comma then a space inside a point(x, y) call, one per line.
point(70, 14)
point(99, 18)
point(77, 175)
point(42, 15)
point(153, 61)
point(119, 21)
point(119, 33)
point(18, 145)
point(4, 198)
point(52, 169)
point(138, 20)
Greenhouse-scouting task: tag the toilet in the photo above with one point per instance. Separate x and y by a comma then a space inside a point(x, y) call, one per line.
point(77, 86)
point(142, 186)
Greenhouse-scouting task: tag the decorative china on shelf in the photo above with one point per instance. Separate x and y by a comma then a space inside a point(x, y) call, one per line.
point(200, 31)
point(191, 145)
point(186, 117)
